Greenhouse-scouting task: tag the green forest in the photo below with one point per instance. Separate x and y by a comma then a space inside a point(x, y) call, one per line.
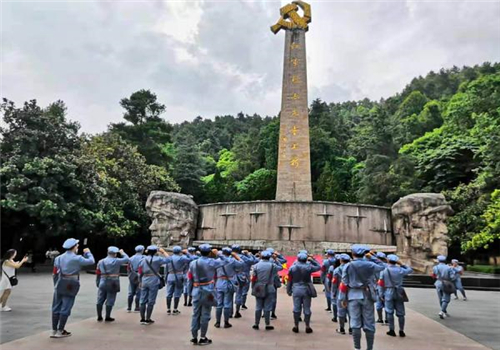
point(440, 134)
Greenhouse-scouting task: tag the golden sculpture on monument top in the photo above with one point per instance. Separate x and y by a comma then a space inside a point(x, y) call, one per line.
point(290, 19)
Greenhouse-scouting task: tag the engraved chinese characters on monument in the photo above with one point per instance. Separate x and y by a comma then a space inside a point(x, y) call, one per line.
point(294, 165)
point(419, 222)
point(174, 218)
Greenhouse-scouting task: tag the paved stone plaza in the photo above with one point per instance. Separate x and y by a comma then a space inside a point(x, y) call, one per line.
point(473, 325)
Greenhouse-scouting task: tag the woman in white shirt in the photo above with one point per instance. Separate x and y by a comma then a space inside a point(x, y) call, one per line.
point(9, 267)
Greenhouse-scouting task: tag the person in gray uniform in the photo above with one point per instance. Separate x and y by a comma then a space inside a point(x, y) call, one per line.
point(394, 295)
point(225, 286)
point(445, 284)
point(301, 288)
point(188, 299)
point(263, 287)
point(459, 270)
point(201, 278)
point(358, 285)
point(108, 281)
point(133, 277)
point(66, 276)
point(175, 278)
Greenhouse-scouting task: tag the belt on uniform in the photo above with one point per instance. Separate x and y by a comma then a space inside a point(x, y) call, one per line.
point(110, 275)
point(225, 277)
point(199, 284)
point(71, 276)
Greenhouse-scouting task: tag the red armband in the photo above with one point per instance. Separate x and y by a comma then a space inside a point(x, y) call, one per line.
point(334, 280)
point(323, 268)
point(329, 276)
point(433, 275)
point(343, 288)
point(381, 283)
point(97, 271)
point(139, 270)
point(254, 278)
point(54, 270)
point(190, 275)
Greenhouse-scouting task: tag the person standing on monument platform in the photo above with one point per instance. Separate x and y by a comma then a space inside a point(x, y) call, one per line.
point(459, 270)
point(280, 259)
point(394, 295)
point(445, 284)
point(151, 281)
point(175, 278)
point(301, 287)
point(225, 286)
point(108, 281)
point(359, 292)
point(341, 307)
point(379, 305)
point(201, 278)
point(188, 299)
point(243, 279)
point(134, 289)
point(329, 261)
point(263, 288)
point(66, 275)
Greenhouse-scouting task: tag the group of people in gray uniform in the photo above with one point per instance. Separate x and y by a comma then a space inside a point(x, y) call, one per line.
point(222, 279)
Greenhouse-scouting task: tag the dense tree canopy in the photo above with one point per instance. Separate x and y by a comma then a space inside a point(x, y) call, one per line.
point(440, 134)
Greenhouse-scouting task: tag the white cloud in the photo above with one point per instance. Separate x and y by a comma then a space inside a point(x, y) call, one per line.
point(218, 57)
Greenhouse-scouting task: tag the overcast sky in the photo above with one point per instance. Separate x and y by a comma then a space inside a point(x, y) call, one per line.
point(212, 58)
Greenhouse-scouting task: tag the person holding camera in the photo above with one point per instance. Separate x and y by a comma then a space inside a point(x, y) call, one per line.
point(66, 275)
point(9, 279)
point(393, 293)
point(301, 288)
point(359, 294)
point(151, 281)
point(108, 281)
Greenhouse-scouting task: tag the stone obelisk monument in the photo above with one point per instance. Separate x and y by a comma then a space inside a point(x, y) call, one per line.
point(294, 165)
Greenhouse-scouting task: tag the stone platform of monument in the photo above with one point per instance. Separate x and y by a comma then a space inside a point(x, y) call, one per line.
point(415, 226)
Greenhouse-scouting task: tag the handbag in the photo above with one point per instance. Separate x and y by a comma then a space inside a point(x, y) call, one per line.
point(133, 276)
point(207, 296)
point(162, 281)
point(12, 279)
point(259, 290)
point(311, 291)
point(448, 286)
point(67, 285)
point(400, 291)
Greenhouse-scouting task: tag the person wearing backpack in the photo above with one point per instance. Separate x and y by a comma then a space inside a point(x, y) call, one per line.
point(301, 288)
point(175, 278)
point(108, 281)
point(263, 287)
point(445, 284)
point(8, 279)
point(151, 281)
point(201, 279)
point(359, 295)
point(66, 276)
point(225, 286)
point(393, 293)
point(133, 277)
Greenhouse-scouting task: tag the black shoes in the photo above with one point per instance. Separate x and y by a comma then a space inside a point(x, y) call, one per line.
point(295, 329)
point(391, 333)
point(204, 341)
point(176, 312)
point(273, 316)
point(99, 319)
point(350, 331)
point(237, 315)
point(109, 319)
point(340, 330)
point(150, 321)
point(244, 307)
point(328, 309)
point(380, 321)
point(194, 341)
point(169, 312)
point(402, 334)
point(256, 327)
point(227, 325)
point(334, 319)
point(309, 330)
point(217, 325)
point(143, 322)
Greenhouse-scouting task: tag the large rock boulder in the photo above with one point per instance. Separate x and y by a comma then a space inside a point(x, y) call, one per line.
point(174, 216)
point(419, 223)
